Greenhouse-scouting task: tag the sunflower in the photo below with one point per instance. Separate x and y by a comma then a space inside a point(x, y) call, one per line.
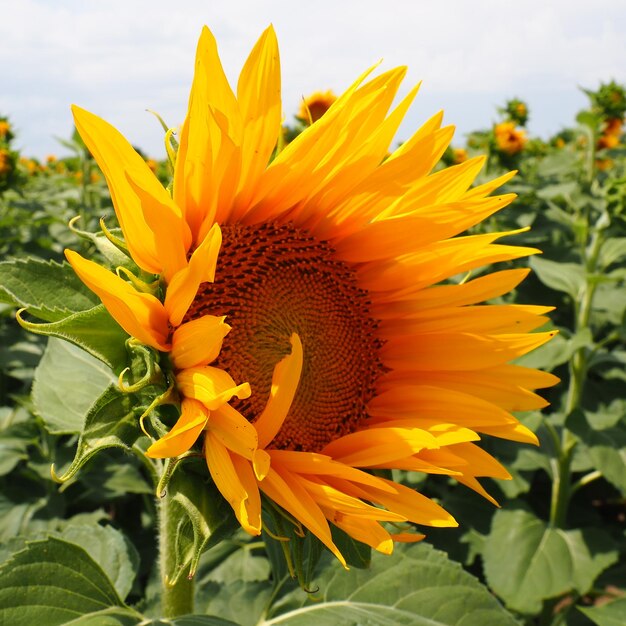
point(509, 139)
point(299, 301)
point(314, 106)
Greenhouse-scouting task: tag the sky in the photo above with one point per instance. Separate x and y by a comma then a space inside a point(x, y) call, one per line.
point(118, 58)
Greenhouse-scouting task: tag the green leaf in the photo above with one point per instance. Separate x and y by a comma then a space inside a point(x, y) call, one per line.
point(109, 617)
point(201, 620)
point(93, 330)
point(111, 422)
point(527, 562)
point(566, 277)
point(610, 614)
point(242, 565)
point(116, 556)
point(416, 586)
point(67, 383)
point(49, 290)
point(606, 446)
point(612, 250)
point(52, 582)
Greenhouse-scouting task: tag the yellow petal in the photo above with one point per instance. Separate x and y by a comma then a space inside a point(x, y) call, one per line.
point(285, 381)
point(258, 94)
point(184, 285)
point(141, 315)
point(120, 163)
point(184, 433)
point(234, 431)
point(198, 342)
point(285, 490)
point(210, 385)
point(367, 531)
point(172, 237)
point(230, 483)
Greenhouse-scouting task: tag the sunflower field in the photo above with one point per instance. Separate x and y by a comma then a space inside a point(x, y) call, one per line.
point(308, 372)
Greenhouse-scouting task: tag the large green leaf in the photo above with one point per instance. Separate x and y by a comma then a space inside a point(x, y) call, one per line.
point(93, 330)
point(67, 383)
point(611, 614)
point(567, 277)
point(52, 582)
point(49, 290)
point(416, 586)
point(110, 550)
point(527, 562)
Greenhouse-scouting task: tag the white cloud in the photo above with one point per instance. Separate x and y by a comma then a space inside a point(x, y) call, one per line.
point(122, 56)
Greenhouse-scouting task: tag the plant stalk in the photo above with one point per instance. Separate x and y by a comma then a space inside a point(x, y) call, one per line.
point(176, 599)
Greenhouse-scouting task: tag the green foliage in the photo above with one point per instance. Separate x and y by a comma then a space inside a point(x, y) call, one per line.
point(84, 552)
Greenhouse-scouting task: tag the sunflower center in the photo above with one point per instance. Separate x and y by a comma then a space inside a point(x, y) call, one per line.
point(273, 280)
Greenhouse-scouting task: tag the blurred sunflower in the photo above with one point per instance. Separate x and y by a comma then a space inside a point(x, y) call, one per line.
point(509, 139)
point(341, 354)
point(314, 106)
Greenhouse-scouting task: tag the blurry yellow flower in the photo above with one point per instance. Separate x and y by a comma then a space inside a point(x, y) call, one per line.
point(604, 164)
point(5, 161)
point(520, 109)
point(509, 139)
point(5, 128)
point(60, 167)
point(607, 142)
point(459, 155)
point(152, 164)
point(51, 159)
point(559, 143)
point(613, 126)
point(342, 354)
point(314, 106)
point(94, 177)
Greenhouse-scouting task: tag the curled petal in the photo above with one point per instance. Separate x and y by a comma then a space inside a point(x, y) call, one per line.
point(198, 342)
point(141, 315)
point(285, 381)
point(184, 433)
point(210, 385)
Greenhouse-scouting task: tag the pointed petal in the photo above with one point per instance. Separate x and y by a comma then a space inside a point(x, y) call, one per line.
point(204, 143)
point(172, 236)
point(120, 163)
point(198, 342)
point(184, 433)
point(184, 285)
point(259, 97)
point(285, 490)
point(230, 483)
point(141, 315)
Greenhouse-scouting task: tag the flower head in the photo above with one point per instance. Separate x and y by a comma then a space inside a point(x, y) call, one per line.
point(314, 106)
point(509, 139)
point(309, 338)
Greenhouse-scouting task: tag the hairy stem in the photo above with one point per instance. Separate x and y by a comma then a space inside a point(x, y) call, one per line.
point(177, 598)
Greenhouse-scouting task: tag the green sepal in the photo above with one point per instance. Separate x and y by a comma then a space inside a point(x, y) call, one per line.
point(202, 518)
point(93, 330)
point(112, 422)
point(107, 243)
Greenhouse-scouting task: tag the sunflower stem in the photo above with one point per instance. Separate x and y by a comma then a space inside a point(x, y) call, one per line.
point(562, 488)
point(176, 599)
